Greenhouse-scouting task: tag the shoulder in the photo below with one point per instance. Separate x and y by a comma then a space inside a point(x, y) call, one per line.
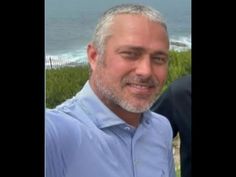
point(178, 90)
point(181, 85)
point(58, 119)
point(61, 129)
point(158, 118)
point(68, 125)
point(62, 138)
point(160, 123)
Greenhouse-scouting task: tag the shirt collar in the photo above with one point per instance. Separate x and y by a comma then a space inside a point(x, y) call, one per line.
point(99, 113)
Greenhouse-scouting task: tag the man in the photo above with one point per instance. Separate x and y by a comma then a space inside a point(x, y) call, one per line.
point(175, 104)
point(107, 129)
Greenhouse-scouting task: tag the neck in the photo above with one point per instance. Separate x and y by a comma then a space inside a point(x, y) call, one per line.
point(130, 118)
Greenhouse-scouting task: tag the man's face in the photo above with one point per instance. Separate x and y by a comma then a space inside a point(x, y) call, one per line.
point(135, 64)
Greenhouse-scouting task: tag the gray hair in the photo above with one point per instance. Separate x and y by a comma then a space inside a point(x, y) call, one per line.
point(102, 31)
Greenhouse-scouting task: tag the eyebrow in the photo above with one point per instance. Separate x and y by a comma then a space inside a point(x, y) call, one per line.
point(160, 53)
point(130, 48)
point(140, 49)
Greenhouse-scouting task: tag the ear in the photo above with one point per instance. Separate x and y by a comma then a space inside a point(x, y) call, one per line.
point(92, 55)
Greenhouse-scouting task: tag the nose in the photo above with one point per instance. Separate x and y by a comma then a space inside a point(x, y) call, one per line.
point(144, 67)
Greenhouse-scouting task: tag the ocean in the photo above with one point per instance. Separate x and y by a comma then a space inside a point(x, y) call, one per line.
point(69, 25)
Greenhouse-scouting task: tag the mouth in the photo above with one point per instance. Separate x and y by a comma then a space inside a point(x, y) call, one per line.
point(141, 89)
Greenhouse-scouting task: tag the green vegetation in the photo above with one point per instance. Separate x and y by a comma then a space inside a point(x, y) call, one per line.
point(63, 83)
point(180, 65)
point(178, 173)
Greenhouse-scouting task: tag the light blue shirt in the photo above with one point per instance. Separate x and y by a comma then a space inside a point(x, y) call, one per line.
point(86, 139)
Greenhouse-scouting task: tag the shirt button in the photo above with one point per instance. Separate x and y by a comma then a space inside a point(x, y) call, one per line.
point(65, 109)
point(147, 121)
point(127, 128)
point(136, 162)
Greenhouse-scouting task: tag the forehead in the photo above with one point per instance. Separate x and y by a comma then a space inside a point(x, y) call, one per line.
point(131, 23)
point(139, 30)
point(127, 19)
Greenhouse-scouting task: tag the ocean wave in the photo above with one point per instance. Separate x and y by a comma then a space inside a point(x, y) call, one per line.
point(180, 43)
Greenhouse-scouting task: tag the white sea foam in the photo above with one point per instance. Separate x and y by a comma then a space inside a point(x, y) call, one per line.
point(180, 43)
point(71, 58)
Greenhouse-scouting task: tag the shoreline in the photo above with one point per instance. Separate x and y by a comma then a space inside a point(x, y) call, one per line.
point(52, 63)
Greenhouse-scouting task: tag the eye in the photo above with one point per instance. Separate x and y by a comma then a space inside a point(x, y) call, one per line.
point(130, 54)
point(160, 59)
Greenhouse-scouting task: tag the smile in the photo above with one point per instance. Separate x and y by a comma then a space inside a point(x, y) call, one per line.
point(141, 89)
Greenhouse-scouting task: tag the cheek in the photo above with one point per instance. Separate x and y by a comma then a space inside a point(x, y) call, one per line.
point(117, 67)
point(110, 73)
point(161, 73)
point(115, 73)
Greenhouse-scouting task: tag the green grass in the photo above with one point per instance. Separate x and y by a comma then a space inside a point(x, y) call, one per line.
point(178, 173)
point(63, 83)
point(180, 65)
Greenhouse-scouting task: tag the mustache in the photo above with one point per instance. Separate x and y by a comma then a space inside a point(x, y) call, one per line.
point(140, 80)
